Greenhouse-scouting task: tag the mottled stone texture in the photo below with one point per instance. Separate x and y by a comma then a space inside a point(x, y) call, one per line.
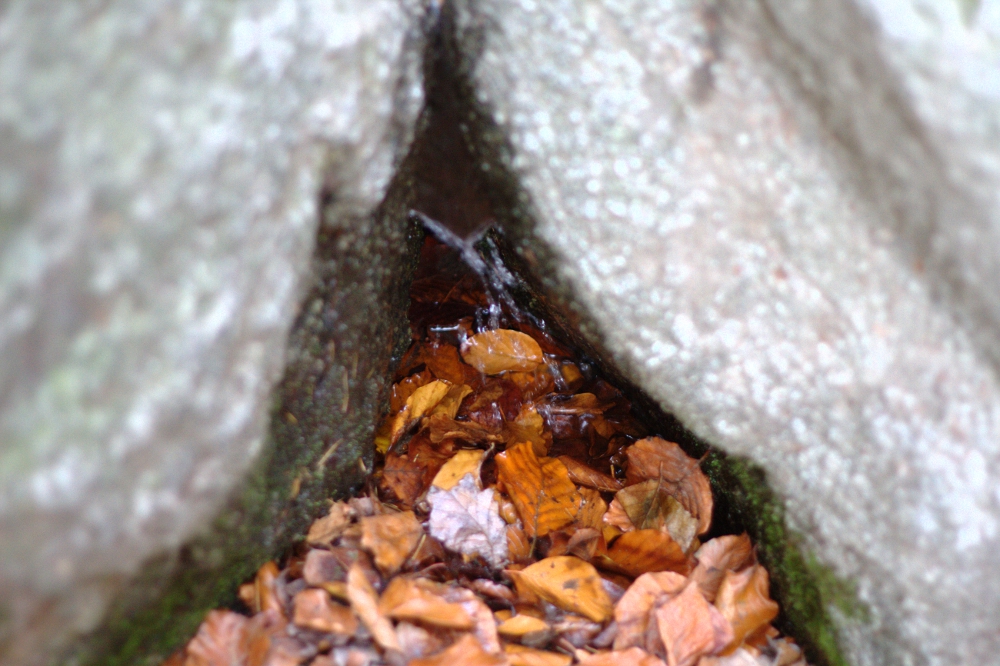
point(160, 168)
point(782, 219)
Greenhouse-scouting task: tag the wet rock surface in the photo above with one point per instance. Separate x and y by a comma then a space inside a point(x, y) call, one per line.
point(771, 221)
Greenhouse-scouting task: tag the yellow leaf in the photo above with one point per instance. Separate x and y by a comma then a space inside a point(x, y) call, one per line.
point(390, 538)
point(462, 463)
point(493, 352)
point(452, 400)
point(569, 583)
point(422, 401)
point(519, 625)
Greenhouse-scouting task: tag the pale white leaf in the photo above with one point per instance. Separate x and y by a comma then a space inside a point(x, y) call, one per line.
point(467, 520)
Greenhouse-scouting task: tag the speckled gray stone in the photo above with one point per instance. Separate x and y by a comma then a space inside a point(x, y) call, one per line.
point(160, 166)
point(782, 219)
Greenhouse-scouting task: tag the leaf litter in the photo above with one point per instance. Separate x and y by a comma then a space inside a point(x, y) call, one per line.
point(519, 515)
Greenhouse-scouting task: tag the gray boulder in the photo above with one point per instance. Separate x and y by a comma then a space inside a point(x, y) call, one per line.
point(160, 170)
point(782, 221)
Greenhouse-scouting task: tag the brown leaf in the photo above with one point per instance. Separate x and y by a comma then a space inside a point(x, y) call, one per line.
point(267, 643)
point(592, 509)
point(421, 402)
point(220, 640)
point(468, 521)
point(740, 657)
point(643, 551)
point(690, 627)
point(417, 642)
point(465, 651)
point(443, 361)
point(462, 463)
point(405, 479)
point(442, 427)
point(323, 567)
point(540, 489)
point(518, 655)
point(633, 656)
point(716, 557)
point(260, 595)
point(501, 350)
point(332, 525)
point(534, 384)
point(584, 475)
point(403, 389)
point(315, 610)
point(391, 538)
point(486, 627)
point(364, 602)
point(744, 601)
point(650, 507)
point(654, 458)
point(518, 544)
point(421, 601)
point(528, 426)
point(616, 517)
point(520, 625)
point(633, 612)
point(569, 583)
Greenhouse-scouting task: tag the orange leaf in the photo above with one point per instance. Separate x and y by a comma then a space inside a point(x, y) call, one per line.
point(418, 601)
point(592, 509)
point(616, 517)
point(716, 557)
point(220, 640)
point(690, 627)
point(529, 426)
point(744, 601)
point(633, 610)
point(315, 610)
point(390, 538)
point(519, 625)
point(631, 657)
point(443, 361)
point(518, 544)
point(642, 551)
point(518, 655)
point(462, 463)
point(569, 583)
point(584, 475)
point(540, 489)
point(420, 402)
point(404, 388)
point(405, 479)
point(650, 506)
point(534, 384)
point(501, 350)
point(655, 458)
point(260, 595)
point(364, 602)
point(466, 651)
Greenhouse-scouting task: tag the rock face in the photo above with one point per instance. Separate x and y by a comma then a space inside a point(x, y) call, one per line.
point(783, 221)
point(160, 168)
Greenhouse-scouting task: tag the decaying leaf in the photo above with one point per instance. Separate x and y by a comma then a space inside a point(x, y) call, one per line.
point(641, 551)
point(649, 506)
point(583, 475)
point(364, 602)
point(656, 458)
point(220, 640)
point(528, 426)
point(421, 601)
point(466, 651)
point(404, 478)
point(593, 508)
point(330, 526)
point(501, 350)
point(420, 403)
point(391, 538)
point(468, 521)
point(444, 363)
point(716, 557)
point(617, 517)
point(744, 601)
point(633, 612)
point(540, 489)
point(631, 657)
point(313, 609)
point(569, 583)
point(442, 427)
point(462, 463)
point(690, 627)
point(417, 642)
point(519, 655)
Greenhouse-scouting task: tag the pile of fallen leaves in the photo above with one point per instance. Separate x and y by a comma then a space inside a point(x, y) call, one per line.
point(519, 514)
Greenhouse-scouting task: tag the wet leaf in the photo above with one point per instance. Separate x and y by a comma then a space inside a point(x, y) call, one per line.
point(656, 458)
point(467, 520)
point(534, 384)
point(364, 602)
point(633, 612)
point(441, 427)
point(466, 651)
point(592, 509)
point(501, 350)
point(744, 601)
point(569, 583)
point(313, 609)
point(529, 426)
point(452, 400)
point(641, 551)
point(403, 389)
point(390, 538)
point(421, 402)
point(518, 655)
point(330, 526)
point(716, 557)
point(220, 640)
point(584, 475)
point(540, 489)
point(444, 363)
point(690, 627)
point(420, 601)
point(462, 463)
point(631, 657)
point(649, 506)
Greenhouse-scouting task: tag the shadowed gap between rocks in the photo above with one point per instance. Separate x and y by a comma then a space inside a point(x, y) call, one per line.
point(344, 345)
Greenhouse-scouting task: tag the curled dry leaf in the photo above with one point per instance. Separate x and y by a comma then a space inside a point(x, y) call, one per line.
point(421, 402)
point(656, 458)
point(690, 628)
point(584, 475)
point(641, 551)
point(502, 350)
point(540, 489)
point(330, 526)
point(631, 657)
point(466, 651)
point(716, 557)
point(364, 602)
point(468, 521)
point(633, 612)
point(391, 538)
point(744, 601)
point(313, 609)
point(421, 601)
point(220, 640)
point(569, 583)
point(519, 655)
point(650, 506)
